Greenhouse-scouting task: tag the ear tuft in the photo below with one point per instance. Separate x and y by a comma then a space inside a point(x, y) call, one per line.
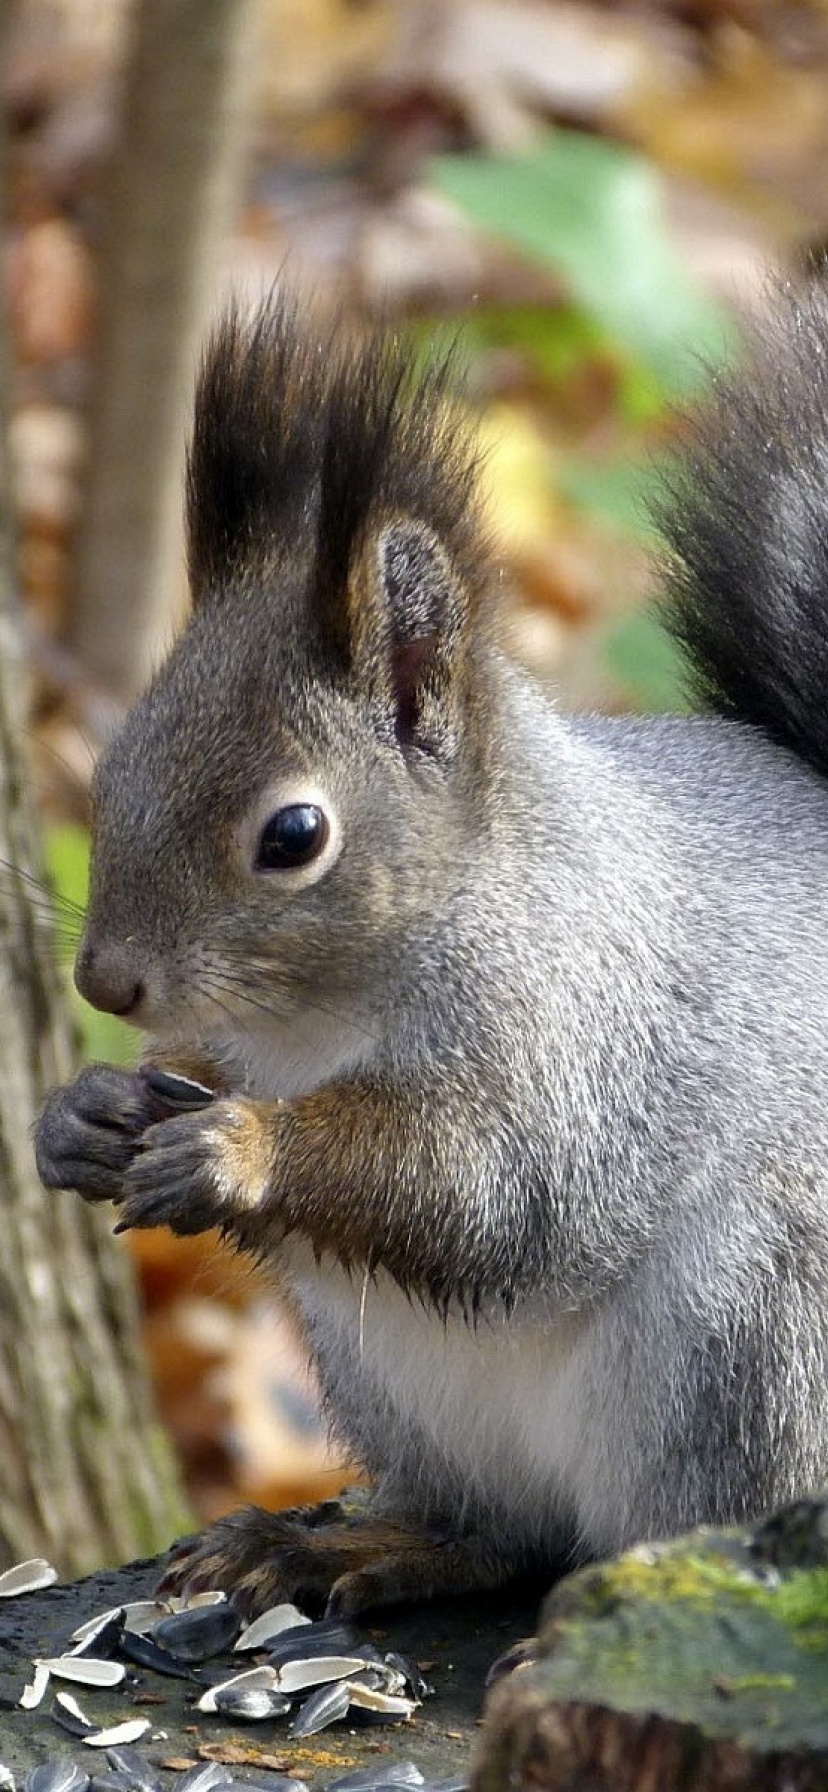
point(256, 444)
point(426, 610)
point(339, 476)
point(420, 588)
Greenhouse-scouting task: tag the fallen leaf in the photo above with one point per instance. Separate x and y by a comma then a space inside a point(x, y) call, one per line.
point(232, 1754)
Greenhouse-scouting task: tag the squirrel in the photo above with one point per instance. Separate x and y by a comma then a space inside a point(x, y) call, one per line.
point(512, 1026)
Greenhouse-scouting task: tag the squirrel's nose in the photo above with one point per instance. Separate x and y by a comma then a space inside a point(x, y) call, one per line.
point(106, 975)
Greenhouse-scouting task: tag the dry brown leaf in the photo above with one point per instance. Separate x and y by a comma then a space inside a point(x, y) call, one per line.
point(234, 1754)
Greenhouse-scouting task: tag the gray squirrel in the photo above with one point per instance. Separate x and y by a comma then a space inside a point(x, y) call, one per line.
point(513, 1027)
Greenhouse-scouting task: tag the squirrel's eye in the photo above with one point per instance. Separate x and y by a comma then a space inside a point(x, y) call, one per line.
point(291, 837)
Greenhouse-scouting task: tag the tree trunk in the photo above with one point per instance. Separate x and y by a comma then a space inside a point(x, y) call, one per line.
point(677, 1667)
point(172, 181)
point(86, 1475)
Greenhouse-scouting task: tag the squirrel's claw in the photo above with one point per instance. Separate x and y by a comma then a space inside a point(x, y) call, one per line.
point(171, 1180)
point(197, 1170)
point(329, 1557)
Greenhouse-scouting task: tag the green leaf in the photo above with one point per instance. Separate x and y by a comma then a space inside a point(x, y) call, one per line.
point(105, 1039)
point(557, 342)
point(103, 1036)
point(67, 861)
point(592, 210)
point(617, 492)
point(642, 656)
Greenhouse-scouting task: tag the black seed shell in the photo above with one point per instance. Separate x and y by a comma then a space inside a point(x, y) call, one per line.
point(251, 1702)
point(303, 1642)
point(67, 1720)
point(198, 1633)
point(125, 1759)
point(181, 1093)
point(207, 1777)
point(57, 1775)
point(103, 1643)
point(326, 1706)
point(276, 1782)
point(420, 1688)
point(385, 1773)
point(147, 1653)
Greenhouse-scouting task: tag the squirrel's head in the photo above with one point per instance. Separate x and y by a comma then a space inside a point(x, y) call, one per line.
point(292, 800)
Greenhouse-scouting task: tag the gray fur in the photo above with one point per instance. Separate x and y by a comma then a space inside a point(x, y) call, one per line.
point(585, 965)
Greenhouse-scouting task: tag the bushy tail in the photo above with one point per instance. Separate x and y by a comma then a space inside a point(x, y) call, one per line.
point(746, 524)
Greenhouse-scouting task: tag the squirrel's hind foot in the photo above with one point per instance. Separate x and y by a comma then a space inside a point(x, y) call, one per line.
point(336, 1556)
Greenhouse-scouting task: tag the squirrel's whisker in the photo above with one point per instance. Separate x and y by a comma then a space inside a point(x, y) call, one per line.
point(235, 985)
point(73, 776)
point(242, 998)
point(55, 897)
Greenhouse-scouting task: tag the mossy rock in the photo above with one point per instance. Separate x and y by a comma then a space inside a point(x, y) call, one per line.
point(681, 1667)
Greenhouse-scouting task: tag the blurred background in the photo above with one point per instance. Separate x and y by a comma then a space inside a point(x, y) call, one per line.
point(587, 196)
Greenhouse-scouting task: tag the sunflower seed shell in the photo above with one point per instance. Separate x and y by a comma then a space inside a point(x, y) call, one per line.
point(129, 1731)
point(410, 1674)
point(140, 1647)
point(56, 1776)
point(328, 1705)
point(103, 1638)
point(320, 1670)
point(137, 1614)
point(182, 1093)
point(269, 1625)
point(84, 1670)
point(27, 1577)
point(211, 1596)
point(198, 1633)
point(251, 1703)
point(32, 1694)
point(203, 1778)
point(386, 1773)
point(313, 1643)
point(381, 1784)
point(126, 1760)
point(260, 1677)
point(276, 1782)
point(379, 1680)
point(374, 1698)
point(67, 1712)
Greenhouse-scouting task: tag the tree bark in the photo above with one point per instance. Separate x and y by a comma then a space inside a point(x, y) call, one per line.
point(172, 181)
point(85, 1473)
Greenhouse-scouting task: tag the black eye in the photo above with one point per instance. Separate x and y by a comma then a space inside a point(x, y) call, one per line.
point(291, 837)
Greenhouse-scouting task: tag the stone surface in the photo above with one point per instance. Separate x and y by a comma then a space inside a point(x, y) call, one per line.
point(457, 1640)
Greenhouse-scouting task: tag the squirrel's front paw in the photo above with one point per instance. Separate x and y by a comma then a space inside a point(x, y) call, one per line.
point(198, 1170)
point(88, 1132)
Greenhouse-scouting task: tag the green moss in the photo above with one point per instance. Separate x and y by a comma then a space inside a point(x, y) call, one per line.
point(799, 1600)
point(757, 1683)
point(701, 1580)
point(697, 1632)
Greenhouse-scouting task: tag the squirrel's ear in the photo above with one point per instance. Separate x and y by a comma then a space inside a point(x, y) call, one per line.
point(415, 647)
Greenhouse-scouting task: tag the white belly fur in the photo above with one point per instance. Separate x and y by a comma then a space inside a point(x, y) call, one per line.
point(500, 1403)
point(507, 1407)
